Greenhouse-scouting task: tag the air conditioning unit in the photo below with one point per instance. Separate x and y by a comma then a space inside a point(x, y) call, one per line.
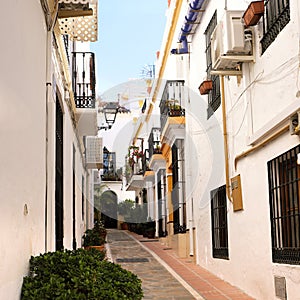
point(294, 123)
point(93, 152)
point(231, 43)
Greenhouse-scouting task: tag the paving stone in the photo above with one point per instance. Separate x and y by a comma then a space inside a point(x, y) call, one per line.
point(157, 282)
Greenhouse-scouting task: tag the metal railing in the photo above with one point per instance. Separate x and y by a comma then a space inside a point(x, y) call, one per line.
point(276, 16)
point(171, 101)
point(154, 142)
point(84, 79)
point(145, 161)
point(284, 192)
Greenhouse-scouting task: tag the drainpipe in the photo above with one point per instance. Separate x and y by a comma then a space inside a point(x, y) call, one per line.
point(225, 139)
point(191, 226)
point(261, 144)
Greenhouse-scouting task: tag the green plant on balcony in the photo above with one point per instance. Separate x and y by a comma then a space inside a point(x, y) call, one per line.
point(134, 154)
point(174, 108)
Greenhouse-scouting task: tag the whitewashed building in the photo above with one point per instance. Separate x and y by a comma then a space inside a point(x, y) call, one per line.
point(46, 113)
point(226, 181)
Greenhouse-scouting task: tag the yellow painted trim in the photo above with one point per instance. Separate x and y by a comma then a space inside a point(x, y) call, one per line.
point(166, 53)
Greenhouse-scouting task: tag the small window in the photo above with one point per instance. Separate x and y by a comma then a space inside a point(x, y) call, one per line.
point(214, 96)
point(219, 223)
point(284, 194)
point(276, 16)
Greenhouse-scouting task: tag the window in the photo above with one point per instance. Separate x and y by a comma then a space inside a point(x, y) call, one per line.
point(276, 16)
point(178, 190)
point(214, 96)
point(284, 194)
point(219, 223)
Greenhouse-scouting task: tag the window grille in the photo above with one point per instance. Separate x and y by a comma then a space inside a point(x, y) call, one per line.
point(276, 17)
point(214, 96)
point(219, 223)
point(178, 189)
point(284, 194)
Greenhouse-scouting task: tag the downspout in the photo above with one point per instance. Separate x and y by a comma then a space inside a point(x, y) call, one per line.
point(225, 139)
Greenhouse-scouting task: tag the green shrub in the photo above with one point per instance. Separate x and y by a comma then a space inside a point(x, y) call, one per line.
point(78, 274)
point(92, 237)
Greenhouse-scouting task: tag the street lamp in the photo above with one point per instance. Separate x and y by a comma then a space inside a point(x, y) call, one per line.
point(110, 111)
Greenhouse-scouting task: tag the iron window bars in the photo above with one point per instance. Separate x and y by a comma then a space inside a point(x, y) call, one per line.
point(219, 223)
point(276, 17)
point(284, 195)
point(214, 96)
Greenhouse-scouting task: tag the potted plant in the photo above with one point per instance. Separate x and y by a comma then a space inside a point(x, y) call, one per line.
point(174, 108)
point(124, 209)
point(253, 13)
point(99, 227)
point(92, 239)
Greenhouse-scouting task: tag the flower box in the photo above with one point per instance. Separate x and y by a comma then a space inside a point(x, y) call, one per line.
point(253, 13)
point(205, 87)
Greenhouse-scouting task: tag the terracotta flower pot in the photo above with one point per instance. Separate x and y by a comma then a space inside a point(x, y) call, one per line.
point(253, 13)
point(100, 248)
point(205, 87)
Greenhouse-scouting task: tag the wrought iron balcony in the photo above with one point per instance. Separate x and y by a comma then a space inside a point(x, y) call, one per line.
point(171, 101)
point(145, 161)
point(154, 142)
point(84, 79)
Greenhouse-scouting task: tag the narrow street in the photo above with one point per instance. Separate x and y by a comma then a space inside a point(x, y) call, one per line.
point(163, 274)
point(157, 282)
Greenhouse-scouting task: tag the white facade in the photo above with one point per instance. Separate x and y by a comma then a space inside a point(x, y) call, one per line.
point(258, 106)
point(31, 81)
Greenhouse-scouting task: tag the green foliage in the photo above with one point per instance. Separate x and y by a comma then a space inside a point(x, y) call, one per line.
point(137, 214)
point(99, 227)
point(125, 207)
point(78, 274)
point(92, 237)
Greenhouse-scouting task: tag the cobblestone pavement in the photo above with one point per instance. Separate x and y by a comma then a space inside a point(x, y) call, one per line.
point(157, 282)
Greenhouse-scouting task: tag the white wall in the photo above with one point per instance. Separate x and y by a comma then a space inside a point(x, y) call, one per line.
point(23, 153)
point(251, 112)
point(22, 134)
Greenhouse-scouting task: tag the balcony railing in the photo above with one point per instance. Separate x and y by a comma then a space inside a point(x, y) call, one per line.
point(154, 142)
point(145, 161)
point(84, 79)
point(171, 101)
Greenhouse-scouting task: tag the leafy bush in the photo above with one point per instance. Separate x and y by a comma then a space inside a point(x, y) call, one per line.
point(95, 236)
point(78, 274)
point(125, 207)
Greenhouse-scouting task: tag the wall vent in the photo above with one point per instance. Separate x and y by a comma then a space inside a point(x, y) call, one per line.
point(280, 287)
